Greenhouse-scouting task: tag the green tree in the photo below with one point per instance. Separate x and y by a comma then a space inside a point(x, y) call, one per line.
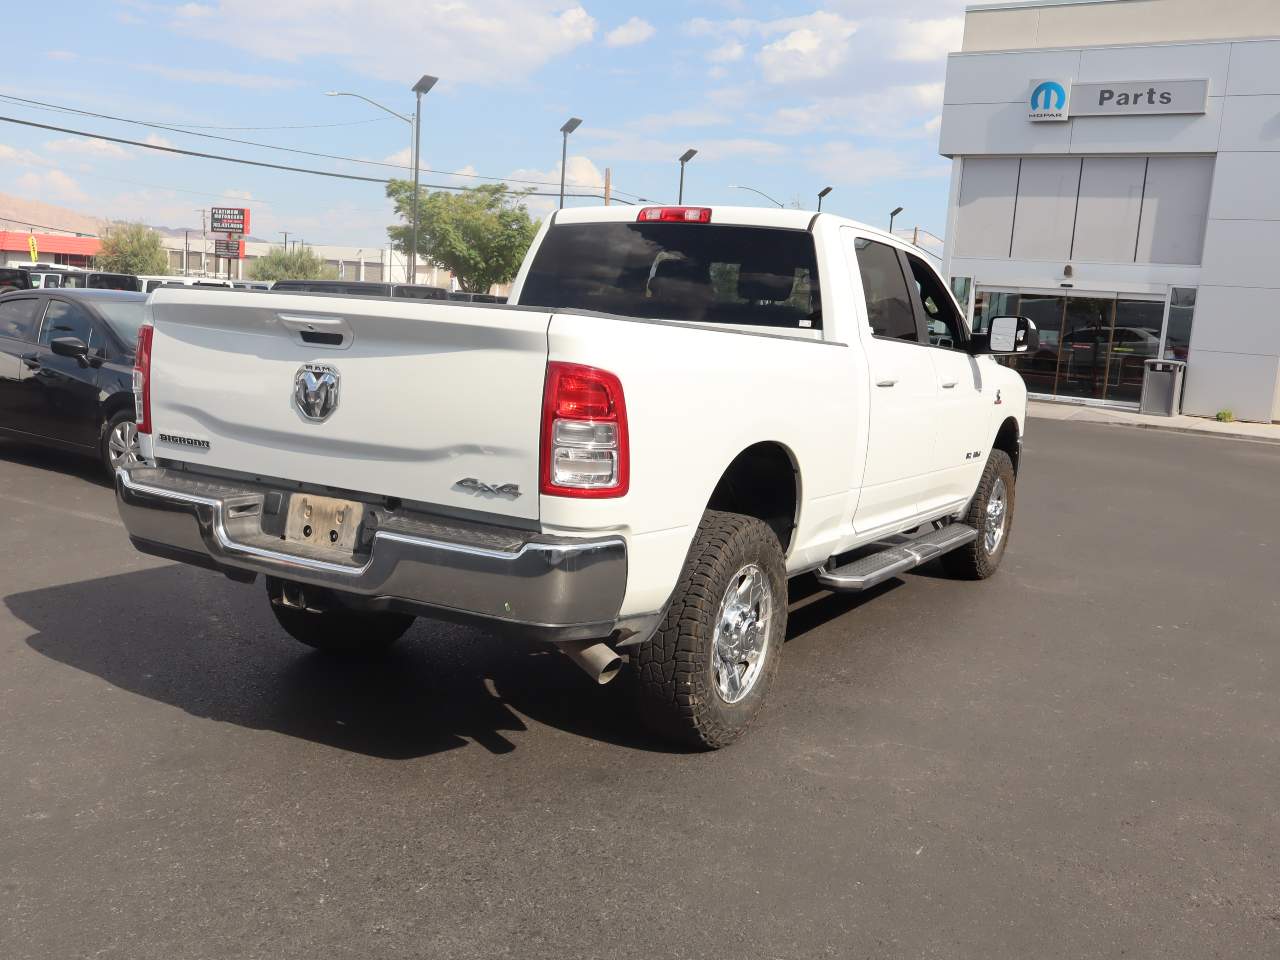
point(298, 263)
point(131, 248)
point(479, 235)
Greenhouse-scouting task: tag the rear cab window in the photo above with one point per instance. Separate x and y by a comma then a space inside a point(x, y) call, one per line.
point(742, 276)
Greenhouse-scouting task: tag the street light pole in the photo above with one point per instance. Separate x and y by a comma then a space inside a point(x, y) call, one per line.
point(570, 125)
point(822, 193)
point(738, 186)
point(684, 158)
point(893, 213)
point(424, 84)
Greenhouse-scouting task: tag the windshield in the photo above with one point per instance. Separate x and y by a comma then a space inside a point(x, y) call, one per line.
point(706, 273)
point(124, 317)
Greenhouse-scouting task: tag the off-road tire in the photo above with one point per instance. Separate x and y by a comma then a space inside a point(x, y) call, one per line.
point(973, 561)
point(349, 633)
point(674, 667)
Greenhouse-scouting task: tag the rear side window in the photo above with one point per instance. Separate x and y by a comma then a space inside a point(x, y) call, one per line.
point(888, 302)
point(704, 273)
point(18, 318)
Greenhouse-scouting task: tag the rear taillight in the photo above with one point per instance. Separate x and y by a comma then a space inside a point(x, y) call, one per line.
point(674, 215)
point(584, 433)
point(142, 379)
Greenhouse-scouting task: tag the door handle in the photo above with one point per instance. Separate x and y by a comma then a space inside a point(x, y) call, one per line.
point(886, 383)
point(949, 384)
point(32, 360)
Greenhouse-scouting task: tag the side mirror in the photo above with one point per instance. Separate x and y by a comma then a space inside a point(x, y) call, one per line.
point(1008, 336)
point(70, 347)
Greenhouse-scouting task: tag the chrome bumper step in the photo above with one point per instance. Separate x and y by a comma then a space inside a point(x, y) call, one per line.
point(894, 555)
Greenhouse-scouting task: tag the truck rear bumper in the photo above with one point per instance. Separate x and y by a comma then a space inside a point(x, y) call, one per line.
point(554, 588)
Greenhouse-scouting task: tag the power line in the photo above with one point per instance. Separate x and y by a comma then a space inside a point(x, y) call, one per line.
point(177, 128)
point(45, 226)
point(261, 163)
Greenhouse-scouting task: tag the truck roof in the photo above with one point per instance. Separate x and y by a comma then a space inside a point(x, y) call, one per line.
point(736, 216)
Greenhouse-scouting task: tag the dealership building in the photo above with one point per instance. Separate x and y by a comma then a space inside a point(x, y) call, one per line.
point(1116, 177)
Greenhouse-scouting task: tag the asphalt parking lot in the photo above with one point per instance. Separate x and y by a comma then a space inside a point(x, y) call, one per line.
point(1078, 758)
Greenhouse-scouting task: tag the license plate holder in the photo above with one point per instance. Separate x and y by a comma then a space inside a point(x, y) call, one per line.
point(324, 522)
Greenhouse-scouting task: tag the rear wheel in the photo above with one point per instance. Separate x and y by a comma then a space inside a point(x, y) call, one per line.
point(119, 444)
point(705, 672)
point(347, 632)
point(991, 514)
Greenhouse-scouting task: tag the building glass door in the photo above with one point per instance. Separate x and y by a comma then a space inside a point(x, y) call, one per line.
point(1091, 347)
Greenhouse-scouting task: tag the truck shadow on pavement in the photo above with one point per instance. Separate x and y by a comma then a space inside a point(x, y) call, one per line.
point(81, 465)
point(211, 648)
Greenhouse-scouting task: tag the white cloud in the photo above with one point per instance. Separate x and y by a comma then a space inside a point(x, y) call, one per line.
point(237, 194)
point(633, 31)
point(580, 175)
point(47, 185)
point(222, 78)
point(194, 11)
point(459, 40)
point(727, 52)
point(18, 155)
point(91, 147)
point(850, 163)
point(401, 158)
point(889, 112)
point(921, 41)
point(810, 48)
point(63, 55)
point(158, 141)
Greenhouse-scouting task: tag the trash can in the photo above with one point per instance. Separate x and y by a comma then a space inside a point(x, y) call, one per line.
point(1162, 387)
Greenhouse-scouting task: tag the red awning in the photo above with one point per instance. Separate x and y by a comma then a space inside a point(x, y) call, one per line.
point(11, 241)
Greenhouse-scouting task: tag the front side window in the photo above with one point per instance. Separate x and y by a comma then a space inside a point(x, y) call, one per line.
point(18, 318)
point(704, 273)
point(64, 319)
point(939, 313)
point(888, 300)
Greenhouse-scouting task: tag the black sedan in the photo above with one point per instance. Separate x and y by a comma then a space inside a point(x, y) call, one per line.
point(66, 370)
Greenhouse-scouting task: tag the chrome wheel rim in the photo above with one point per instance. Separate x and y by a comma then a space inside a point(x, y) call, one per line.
point(997, 515)
point(742, 633)
point(122, 445)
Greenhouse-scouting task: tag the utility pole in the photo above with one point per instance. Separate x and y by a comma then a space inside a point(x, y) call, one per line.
point(286, 239)
point(608, 185)
point(186, 250)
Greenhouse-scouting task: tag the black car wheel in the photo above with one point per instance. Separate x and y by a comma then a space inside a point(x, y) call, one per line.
point(119, 444)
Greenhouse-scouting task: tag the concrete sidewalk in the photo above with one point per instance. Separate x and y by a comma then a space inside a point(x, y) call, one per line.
point(1050, 410)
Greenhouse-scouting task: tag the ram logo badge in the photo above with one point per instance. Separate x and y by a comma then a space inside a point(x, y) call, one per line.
point(315, 390)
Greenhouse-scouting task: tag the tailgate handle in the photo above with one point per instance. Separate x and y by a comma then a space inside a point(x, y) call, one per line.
point(332, 332)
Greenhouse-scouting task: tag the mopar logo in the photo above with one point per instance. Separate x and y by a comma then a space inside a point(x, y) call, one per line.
point(315, 390)
point(1049, 100)
point(1048, 94)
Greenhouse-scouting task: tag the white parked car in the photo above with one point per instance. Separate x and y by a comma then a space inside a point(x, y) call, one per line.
point(680, 408)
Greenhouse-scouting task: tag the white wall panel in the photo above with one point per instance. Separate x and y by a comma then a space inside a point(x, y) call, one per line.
point(1246, 186)
point(1004, 77)
point(1045, 210)
point(1173, 133)
point(1175, 206)
point(1109, 207)
point(1242, 383)
point(1194, 61)
point(984, 221)
point(1236, 320)
point(1241, 253)
point(1251, 123)
point(974, 129)
point(1253, 68)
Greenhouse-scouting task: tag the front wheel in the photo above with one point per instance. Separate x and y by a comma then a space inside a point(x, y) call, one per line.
point(991, 514)
point(705, 671)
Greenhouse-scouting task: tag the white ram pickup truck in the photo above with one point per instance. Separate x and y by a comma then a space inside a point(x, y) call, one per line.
point(679, 409)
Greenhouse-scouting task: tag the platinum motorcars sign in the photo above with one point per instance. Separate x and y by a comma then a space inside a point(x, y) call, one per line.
point(1058, 100)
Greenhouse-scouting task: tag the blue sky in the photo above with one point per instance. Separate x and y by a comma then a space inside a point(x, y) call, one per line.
point(783, 97)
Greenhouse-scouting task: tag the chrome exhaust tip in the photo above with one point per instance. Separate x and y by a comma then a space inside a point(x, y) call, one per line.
point(596, 658)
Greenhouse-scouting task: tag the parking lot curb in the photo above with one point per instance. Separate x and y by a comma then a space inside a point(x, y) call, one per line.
point(1163, 427)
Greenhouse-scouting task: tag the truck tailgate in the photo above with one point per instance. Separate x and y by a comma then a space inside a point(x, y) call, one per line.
point(429, 394)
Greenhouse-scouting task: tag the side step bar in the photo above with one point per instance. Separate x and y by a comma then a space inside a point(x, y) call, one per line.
point(894, 556)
